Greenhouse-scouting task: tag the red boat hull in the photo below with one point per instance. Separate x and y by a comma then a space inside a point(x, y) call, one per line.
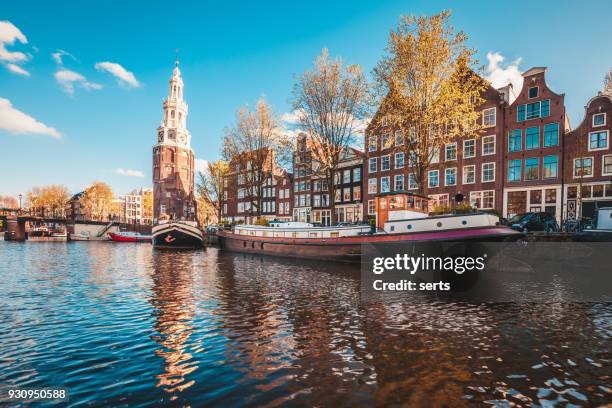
point(124, 238)
point(349, 248)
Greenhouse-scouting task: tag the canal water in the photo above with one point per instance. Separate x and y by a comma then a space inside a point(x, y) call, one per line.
point(124, 324)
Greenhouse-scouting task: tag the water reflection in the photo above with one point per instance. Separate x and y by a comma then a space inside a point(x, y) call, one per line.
point(173, 300)
point(123, 325)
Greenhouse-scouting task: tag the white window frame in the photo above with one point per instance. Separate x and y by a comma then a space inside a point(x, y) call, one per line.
point(464, 174)
point(395, 178)
point(429, 178)
point(535, 97)
point(484, 114)
point(574, 167)
point(603, 159)
point(375, 167)
point(472, 156)
point(446, 151)
point(482, 178)
point(373, 184)
point(416, 185)
point(371, 206)
point(483, 145)
point(403, 160)
point(445, 170)
point(598, 114)
point(607, 132)
point(388, 183)
point(370, 144)
point(388, 156)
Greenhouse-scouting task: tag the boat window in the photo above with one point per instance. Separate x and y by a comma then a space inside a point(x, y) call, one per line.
point(294, 234)
point(313, 235)
point(409, 226)
point(244, 244)
point(464, 222)
point(253, 245)
point(252, 233)
point(334, 234)
point(393, 228)
point(439, 224)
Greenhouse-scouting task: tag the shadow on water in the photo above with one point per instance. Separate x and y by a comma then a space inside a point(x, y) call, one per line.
point(128, 325)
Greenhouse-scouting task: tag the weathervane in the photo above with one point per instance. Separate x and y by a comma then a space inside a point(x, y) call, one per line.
point(177, 60)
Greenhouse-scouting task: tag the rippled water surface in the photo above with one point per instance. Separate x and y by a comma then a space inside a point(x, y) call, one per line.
point(123, 324)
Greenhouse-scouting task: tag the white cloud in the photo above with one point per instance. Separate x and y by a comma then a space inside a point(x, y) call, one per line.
point(8, 35)
point(291, 118)
point(67, 80)
point(201, 165)
point(500, 76)
point(129, 173)
point(16, 69)
point(124, 77)
point(15, 121)
point(59, 54)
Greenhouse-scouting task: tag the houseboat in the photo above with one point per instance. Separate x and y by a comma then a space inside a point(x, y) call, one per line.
point(401, 217)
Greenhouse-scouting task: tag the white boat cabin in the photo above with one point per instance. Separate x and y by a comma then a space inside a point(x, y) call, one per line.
point(300, 230)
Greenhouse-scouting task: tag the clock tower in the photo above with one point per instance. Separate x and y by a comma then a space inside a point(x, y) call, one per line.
point(173, 159)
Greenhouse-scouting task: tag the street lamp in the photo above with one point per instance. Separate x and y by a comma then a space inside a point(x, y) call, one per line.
point(20, 196)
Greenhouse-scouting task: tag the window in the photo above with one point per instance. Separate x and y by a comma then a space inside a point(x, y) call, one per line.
point(451, 151)
point(372, 186)
point(469, 148)
point(488, 172)
point(346, 194)
point(532, 138)
point(356, 174)
point(533, 92)
point(433, 178)
point(551, 134)
point(598, 140)
point(372, 144)
point(346, 176)
point(338, 196)
point(514, 170)
point(469, 174)
point(599, 119)
point(550, 165)
point(385, 163)
point(515, 140)
point(385, 141)
point(399, 182)
point(450, 176)
point(372, 164)
point(488, 145)
point(583, 167)
point(606, 167)
point(482, 199)
point(385, 184)
point(357, 193)
point(533, 110)
point(371, 207)
point(488, 117)
point(412, 184)
point(316, 200)
point(399, 138)
point(399, 160)
point(434, 153)
point(532, 166)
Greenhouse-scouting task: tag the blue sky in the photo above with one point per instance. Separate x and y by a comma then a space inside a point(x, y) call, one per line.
point(231, 54)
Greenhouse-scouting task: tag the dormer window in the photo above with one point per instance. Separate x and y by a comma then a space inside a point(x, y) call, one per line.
point(599, 119)
point(533, 92)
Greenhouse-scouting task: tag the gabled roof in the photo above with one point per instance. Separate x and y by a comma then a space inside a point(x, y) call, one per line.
point(534, 71)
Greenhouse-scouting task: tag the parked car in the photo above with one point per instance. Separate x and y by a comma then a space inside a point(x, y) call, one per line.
point(534, 221)
point(212, 228)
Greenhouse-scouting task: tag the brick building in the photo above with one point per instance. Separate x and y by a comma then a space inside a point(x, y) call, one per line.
point(534, 127)
point(588, 164)
point(467, 166)
point(284, 196)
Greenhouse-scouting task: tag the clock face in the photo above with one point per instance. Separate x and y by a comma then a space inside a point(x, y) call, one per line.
point(182, 138)
point(160, 136)
point(171, 135)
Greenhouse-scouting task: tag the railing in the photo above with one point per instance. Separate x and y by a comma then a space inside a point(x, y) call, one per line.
point(105, 229)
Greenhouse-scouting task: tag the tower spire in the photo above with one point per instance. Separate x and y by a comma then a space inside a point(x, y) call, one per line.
point(176, 61)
